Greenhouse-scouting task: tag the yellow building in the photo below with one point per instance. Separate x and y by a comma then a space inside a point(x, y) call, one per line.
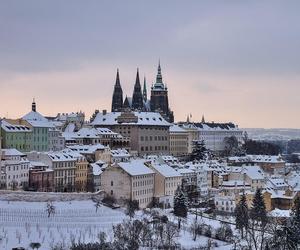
point(179, 141)
point(81, 174)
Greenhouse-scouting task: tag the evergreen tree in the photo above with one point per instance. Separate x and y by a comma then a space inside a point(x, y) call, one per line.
point(199, 150)
point(180, 203)
point(242, 215)
point(258, 212)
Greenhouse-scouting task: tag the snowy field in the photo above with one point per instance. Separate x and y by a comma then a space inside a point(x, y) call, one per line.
point(24, 222)
point(24, 219)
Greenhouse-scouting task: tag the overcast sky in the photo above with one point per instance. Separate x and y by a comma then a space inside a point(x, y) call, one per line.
point(229, 60)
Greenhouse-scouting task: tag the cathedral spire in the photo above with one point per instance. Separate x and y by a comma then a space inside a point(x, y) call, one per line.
point(33, 105)
point(203, 120)
point(137, 98)
point(117, 100)
point(145, 90)
point(126, 104)
point(118, 79)
point(159, 76)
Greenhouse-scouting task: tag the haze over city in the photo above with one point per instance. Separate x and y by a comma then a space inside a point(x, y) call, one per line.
point(231, 61)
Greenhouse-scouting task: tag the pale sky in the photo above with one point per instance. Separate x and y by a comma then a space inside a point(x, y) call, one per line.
point(233, 61)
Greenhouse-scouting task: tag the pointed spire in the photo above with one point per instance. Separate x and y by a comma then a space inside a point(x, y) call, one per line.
point(203, 120)
point(159, 76)
point(126, 103)
point(33, 105)
point(137, 97)
point(145, 90)
point(117, 100)
point(137, 79)
point(118, 78)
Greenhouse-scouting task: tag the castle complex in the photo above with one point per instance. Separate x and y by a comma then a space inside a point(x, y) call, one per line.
point(158, 102)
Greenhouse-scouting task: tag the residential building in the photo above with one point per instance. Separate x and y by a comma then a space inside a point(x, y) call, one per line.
point(14, 169)
point(16, 134)
point(271, 164)
point(166, 183)
point(179, 139)
point(93, 153)
point(63, 165)
point(41, 177)
point(40, 129)
point(129, 180)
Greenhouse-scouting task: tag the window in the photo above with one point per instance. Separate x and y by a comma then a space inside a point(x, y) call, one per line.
point(111, 192)
point(111, 183)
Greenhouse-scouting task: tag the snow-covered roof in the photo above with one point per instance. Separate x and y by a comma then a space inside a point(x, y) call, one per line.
point(143, 118)
point(185, 171)
point(62, 156)
point(176, 129)
point(165, 170)
point(254, 172)
point(38, 164)
point(257, 158)
point(119, 153)
point(8, 127)
point(37, 120)
point(135, 167)
point(97, 170)
point(235, 183)
point(280, 213)
point(12, 152)
point(70, 128)
point(87, 149)
point(93, 133)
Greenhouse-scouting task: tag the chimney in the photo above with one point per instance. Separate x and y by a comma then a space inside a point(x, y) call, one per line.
point(104, 111)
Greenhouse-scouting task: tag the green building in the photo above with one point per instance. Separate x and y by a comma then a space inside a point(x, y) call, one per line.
point(16, 134)
point(40, 129)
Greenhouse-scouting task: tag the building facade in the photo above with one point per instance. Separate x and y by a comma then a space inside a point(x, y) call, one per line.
point(129, 180)
point(148, 132)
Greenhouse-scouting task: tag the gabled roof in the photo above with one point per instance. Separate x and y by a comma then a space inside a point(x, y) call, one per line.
point(165, 170)
point(37, 120)
point(8, 127)
point(135, 167)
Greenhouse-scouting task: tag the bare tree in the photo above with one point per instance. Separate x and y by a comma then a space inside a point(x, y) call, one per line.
point(50, 208)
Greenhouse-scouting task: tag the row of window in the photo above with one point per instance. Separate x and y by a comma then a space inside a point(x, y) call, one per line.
point(155, 138)
point(17, 167)
point(150, 148)
point(142, 183)
point(143, 192)
point(17, 176)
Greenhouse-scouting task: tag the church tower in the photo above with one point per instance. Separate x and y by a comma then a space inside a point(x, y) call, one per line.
point(137, 97)
point(159, 97)
point(117, 99)
point(33, 106)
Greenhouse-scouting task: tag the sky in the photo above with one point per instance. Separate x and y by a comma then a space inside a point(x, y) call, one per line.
point(228, 60)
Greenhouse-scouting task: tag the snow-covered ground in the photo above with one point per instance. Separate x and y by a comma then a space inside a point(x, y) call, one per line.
point(24, 219)
point(24, 222)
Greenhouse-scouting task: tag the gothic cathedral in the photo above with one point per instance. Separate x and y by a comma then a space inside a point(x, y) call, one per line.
point(158, 102)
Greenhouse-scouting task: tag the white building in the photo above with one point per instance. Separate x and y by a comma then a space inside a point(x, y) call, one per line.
point(225, 203)
point(129, 180)
point(14, 169)
point(167, 181)
point(213, 134)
